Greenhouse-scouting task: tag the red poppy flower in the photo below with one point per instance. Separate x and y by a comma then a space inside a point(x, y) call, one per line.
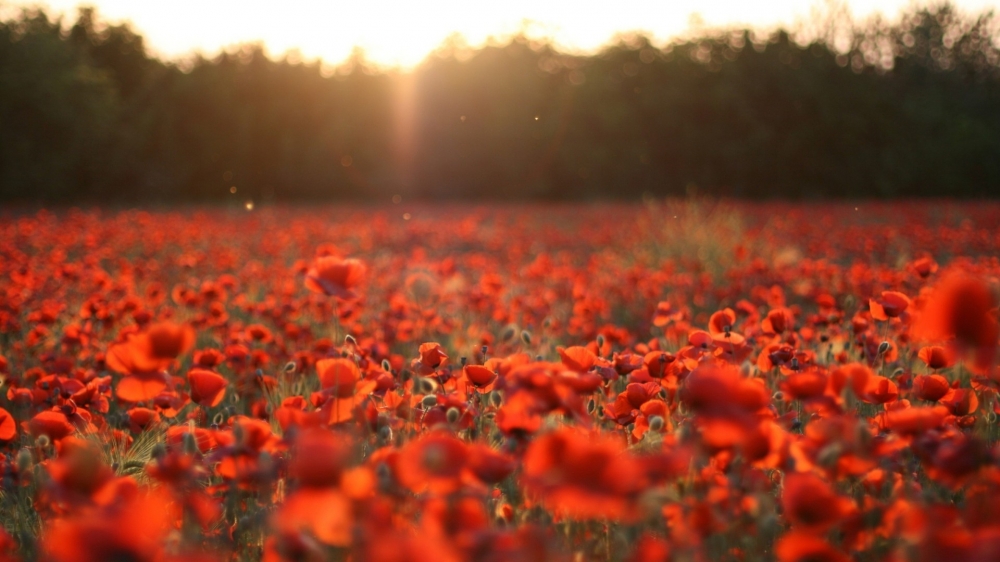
point(432, 357)
point(963, 307)
point(142, 418)
point(722, 322)
point(338, 375)
point(131, 531)
point(141, 387)
point(207, 388)
point(810, 504)
point(665, 314)
point(152, 350)
point(52, 423)
point(930, 387)
point(319, 458)
point(8, 426)
point(489, 465)
point(890, 304)
point(479, 376)
point(804, 547)
point(433, 462)
point(909, 421)
point(583, 475)
point(335, 277)
point(577, 358)
point(936, 357)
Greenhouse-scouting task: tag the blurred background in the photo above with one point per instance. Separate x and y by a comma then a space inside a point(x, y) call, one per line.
point(827, 105)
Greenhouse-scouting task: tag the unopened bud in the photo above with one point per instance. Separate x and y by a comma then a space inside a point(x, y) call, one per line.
point(159, 451)
point(453, 414)
point(429, 401)
point(385, 433)
point(386, 365)
point(190, 443)
point(496, 399)
point(238, 434)
point(600, 342)
point(883, 347)
point(508, 333)
point(349, 339)
point(656, 423)
point(526, 337)
point(290, 367)
point(43, 441)
point(829, 455)
point(24, 461)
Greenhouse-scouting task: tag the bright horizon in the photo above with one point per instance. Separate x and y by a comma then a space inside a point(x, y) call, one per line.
point(394, 33)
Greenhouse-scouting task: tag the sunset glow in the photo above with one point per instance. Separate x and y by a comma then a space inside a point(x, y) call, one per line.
point(404, 33)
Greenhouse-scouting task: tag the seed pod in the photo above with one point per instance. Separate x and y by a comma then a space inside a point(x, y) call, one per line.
point(24, 461)
point(385, 433)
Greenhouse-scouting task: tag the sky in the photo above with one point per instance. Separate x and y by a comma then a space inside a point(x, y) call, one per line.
point(403, 32)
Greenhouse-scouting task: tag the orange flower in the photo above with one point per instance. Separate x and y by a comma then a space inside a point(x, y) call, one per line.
point(479, 376)
point(132, 531)
point(665, 314)
point(335, 277)
point(325, 513)
point(489, 465)
point(936, 357)
point(583, 475)
point(433, 463)
point(721, 322)
point(432, 356)
point(930, 387)
point(207, 388)
point(319, 458)
point(963, 308)
point(577, 358)
point(338, 375)
point(152, 350)
point(8, 426)
point(52, 423)
point(890, 304)
point(909, 421)
point(141, 387)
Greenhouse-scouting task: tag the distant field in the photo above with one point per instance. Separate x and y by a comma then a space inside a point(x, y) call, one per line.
point(685, 379)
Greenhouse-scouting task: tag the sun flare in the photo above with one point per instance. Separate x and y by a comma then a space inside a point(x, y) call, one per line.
point(395, 33)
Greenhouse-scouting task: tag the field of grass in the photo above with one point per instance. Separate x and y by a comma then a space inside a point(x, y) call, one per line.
point(679, 380)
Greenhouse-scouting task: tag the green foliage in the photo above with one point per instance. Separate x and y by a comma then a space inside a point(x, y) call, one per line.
point(904, 109)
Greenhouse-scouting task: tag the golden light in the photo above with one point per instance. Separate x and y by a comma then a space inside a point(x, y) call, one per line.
point(403, 32)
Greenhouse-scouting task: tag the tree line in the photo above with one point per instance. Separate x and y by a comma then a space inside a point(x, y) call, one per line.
point(885, 109)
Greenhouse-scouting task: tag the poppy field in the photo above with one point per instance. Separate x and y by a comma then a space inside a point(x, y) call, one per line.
point(686, 380)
